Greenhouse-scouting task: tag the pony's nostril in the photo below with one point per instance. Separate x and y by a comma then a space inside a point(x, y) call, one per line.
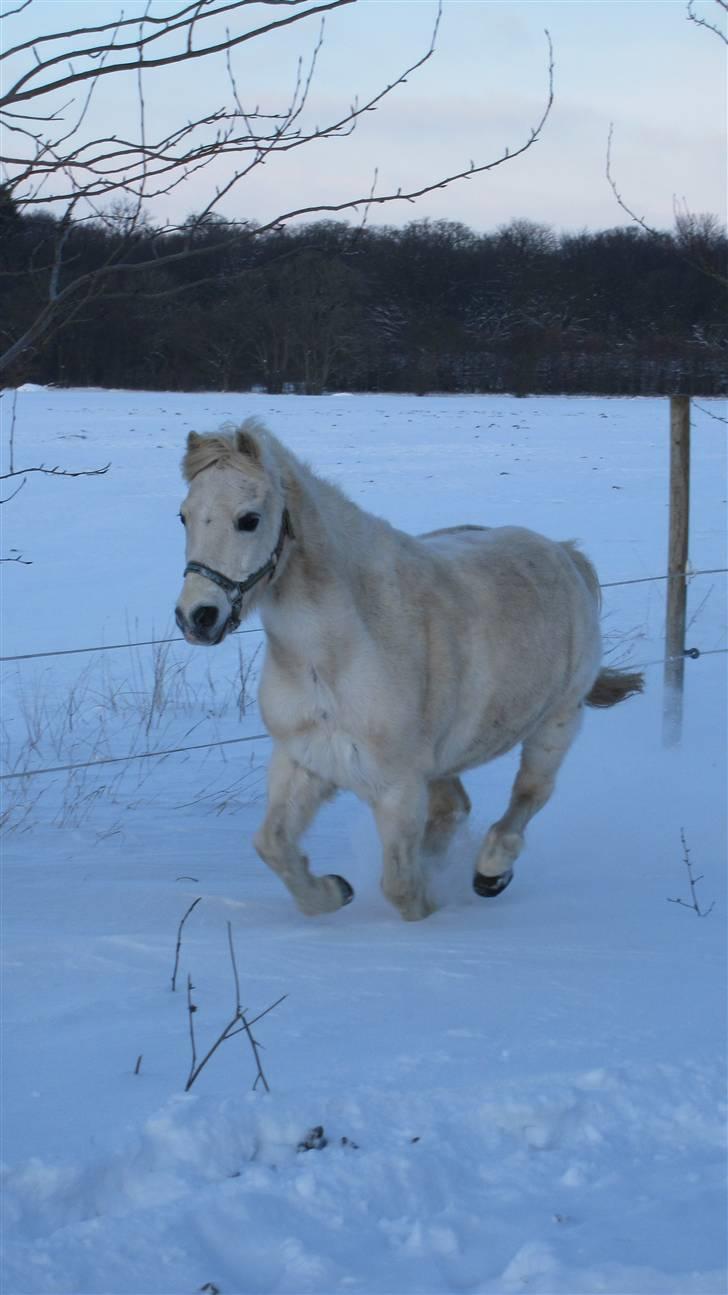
point(179, 617)
point(203, 618)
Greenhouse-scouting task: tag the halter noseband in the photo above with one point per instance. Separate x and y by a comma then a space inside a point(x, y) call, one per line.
point(236, 589)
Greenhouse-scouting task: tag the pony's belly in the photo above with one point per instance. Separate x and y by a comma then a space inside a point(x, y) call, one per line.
point(336, 757)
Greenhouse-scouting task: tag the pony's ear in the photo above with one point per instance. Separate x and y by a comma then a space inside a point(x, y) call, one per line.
point(193, 441)
point(246, 442)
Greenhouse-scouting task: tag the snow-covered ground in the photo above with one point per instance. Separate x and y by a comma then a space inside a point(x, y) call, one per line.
point(524, 1094)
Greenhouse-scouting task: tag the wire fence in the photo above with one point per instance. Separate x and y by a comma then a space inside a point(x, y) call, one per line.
point(140, 755)
point(644, 580)
point(691, 653)
point(112, 647)
point(258, 629)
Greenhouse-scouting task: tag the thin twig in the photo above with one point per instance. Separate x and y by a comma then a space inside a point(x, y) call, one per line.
point(235, 968)
point(239, 1024)
point(56, 472)
point(703, 22)
point(179, 941)
point(196, 1069)
point(191, 1009)
point(16, 491)
point(245, 1023)
point(693, 881)
point(719, 418)
point(644, 224)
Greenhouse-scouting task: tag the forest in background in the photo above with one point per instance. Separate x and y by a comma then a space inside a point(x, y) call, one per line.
point(431, 307)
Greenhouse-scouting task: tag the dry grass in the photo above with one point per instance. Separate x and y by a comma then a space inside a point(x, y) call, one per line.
point(150, 699)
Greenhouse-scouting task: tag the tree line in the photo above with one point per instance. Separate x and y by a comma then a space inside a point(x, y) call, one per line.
point(433, 306)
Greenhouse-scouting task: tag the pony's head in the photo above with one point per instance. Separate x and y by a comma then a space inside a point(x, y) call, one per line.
point(236, 526)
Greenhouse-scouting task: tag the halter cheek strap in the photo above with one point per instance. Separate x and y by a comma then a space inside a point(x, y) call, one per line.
point(236, 589)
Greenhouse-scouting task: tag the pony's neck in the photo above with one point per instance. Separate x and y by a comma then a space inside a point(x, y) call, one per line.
point(335, 546)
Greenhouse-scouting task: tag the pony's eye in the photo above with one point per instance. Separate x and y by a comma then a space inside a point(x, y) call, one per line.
point(247, 522)
point(184, 523)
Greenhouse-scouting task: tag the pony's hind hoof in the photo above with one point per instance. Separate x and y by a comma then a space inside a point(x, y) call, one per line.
point(347, 891)
point(490, 886)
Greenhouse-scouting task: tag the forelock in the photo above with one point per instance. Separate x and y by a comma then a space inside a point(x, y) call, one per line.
point(206, 451)
point(246, 447)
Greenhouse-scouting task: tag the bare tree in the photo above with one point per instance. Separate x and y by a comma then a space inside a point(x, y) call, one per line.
point(57, 160)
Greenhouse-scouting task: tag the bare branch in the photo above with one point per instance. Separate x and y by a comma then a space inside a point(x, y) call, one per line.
point(191, 1009)
point(28, 87)
point(719, 418)
point(235, 967)
point(24, 561)
point(239, 1024)
point(692, 881)
point(179, 941)
point(11, 12)
point(17, 490)
point(56, 472)
point(683, 221)
point(49, 169)
point(638, 220)
point(721, 33)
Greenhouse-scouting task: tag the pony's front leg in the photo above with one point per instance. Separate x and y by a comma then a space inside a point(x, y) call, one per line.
point(401, 813)
point(294, 795)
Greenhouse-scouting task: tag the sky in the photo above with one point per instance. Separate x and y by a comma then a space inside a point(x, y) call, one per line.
point(638, 64)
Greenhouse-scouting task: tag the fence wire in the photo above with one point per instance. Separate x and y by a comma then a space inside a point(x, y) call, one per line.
point(258, 629)
point(691, 653)
point(113, 647)
point(140, 755)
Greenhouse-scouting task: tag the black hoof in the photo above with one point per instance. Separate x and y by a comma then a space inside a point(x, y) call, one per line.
point(347, 891)
point(490, 886)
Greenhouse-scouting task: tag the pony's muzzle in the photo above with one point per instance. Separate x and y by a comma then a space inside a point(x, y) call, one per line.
point(203, 624)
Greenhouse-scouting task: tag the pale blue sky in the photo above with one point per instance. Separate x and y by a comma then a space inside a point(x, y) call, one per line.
point(638, 63)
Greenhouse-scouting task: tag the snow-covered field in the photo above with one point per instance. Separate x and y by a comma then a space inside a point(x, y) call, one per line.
point(524, 1094)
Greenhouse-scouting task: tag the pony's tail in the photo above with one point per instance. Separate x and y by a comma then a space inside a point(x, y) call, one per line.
point(612, 686)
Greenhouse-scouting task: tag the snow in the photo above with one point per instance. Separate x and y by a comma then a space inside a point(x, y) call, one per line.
point(525, 1094)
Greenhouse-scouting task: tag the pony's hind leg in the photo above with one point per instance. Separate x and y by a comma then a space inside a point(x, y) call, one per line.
point(541, 756)
point(294, 796)
point(447, 803)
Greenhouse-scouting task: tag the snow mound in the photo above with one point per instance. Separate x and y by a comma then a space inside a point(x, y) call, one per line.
point(427, 1191)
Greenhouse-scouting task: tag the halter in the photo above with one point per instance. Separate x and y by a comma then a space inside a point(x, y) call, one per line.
point(236, 589)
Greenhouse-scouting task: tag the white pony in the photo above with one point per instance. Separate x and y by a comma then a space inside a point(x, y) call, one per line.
point(393, 663)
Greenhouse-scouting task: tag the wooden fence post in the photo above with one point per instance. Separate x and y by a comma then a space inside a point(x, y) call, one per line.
point(677, 558)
